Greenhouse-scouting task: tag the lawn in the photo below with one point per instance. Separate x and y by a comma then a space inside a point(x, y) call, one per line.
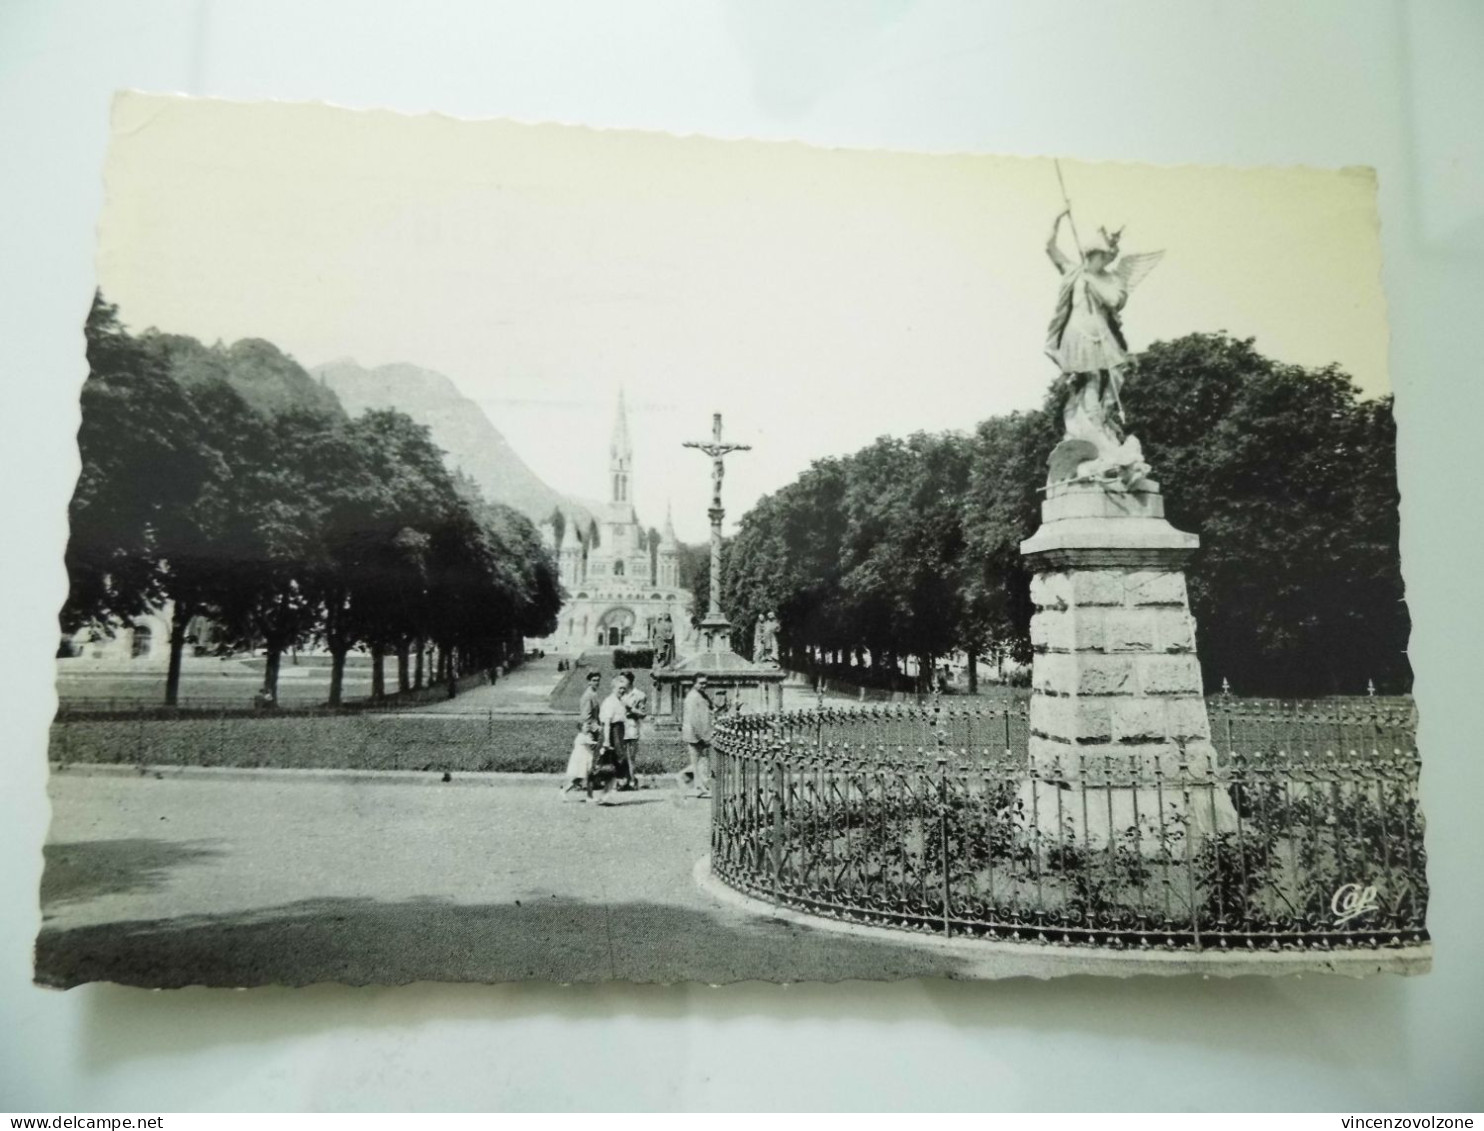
point(209, 683)
point(521, 744)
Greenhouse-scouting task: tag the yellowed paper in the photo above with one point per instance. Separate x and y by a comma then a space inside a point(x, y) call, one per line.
point(362, 766)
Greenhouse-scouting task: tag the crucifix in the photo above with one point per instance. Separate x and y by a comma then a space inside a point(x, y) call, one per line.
point(715, 627)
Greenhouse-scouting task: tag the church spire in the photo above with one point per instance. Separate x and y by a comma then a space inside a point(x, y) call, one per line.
point(619, 447)
point(620, 454)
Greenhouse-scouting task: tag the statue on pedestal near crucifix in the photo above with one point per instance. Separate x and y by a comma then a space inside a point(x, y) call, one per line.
point(765, 640)
point(664, 641)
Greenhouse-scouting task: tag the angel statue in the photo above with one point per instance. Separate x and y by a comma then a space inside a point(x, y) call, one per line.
point(1086, 340)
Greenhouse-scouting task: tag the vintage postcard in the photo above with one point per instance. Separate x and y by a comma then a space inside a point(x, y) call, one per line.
point(510, 551)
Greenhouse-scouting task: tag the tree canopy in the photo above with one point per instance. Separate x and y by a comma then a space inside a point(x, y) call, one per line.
point(282, 520)
point(226, 482)
point(911, 547)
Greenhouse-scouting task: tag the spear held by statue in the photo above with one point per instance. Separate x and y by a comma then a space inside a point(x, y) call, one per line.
point(1085, 338)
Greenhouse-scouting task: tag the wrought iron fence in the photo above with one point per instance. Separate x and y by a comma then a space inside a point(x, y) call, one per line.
point(936, 821)
point(1360, 724)
point(1355, 727)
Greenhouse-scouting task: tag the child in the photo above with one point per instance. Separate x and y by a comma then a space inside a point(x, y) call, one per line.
point(580, 764)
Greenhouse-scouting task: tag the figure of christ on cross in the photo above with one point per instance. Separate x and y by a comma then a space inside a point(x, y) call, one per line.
point(718, 451)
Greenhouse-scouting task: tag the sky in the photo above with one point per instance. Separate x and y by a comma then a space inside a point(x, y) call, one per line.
point(817, 298)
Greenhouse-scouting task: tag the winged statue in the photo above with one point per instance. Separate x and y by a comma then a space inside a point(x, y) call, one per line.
point(1086, 340)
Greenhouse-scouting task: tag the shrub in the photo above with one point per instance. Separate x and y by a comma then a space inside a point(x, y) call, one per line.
point(633, 658)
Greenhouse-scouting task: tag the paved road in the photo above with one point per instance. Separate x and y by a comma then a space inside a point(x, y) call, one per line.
point(249, 878)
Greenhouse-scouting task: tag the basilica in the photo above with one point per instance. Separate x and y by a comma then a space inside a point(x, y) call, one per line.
point(620, 584)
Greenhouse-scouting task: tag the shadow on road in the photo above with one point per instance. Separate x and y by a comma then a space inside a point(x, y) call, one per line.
point(88, 869)
point(364, 942)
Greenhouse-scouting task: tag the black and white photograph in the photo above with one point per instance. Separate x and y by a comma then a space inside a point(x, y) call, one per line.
point(509, 552)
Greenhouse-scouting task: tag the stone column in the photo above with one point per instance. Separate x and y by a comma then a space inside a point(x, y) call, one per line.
point(716, 630)
point(1116, 685)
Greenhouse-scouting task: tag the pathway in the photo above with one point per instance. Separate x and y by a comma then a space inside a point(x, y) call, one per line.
point(568, 693)
point(241, 878)
point(525, 691)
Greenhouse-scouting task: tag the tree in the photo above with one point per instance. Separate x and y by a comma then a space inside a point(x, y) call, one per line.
point(1288, 477)
point(694, 572)
point(1290, 481)
point(903, 545)
point(269, 380)
point(526, 595)
point(490, 583)
point(1001, 508)
point(274, 597)
point(201, 544)
point(286, 522)
point(210, 548)
point(376, 589)
point(142, 461)
point(1374, 625)
point(786, 558)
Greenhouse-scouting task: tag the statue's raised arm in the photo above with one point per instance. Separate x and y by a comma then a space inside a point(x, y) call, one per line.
point(1053, 248)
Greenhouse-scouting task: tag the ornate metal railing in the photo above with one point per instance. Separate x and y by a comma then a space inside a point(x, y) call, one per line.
point(936, 821)
point(1359, 724)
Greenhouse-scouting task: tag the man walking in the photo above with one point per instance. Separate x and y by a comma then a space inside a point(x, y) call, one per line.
point(636, 705)
point(588, 725)
point(695, 732)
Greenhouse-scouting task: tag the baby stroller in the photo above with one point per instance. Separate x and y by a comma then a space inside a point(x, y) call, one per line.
point(609, 765)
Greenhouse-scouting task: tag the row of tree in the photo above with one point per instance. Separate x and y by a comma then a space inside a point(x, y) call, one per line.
point(911, 547)
point(286, 526)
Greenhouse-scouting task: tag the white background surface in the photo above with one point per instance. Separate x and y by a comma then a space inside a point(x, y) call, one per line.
point(1397, 86)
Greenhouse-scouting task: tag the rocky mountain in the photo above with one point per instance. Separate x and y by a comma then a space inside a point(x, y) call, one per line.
point(263, 375)
point(458, 426)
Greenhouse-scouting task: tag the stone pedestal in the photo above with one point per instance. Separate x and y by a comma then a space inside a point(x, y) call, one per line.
point(715, 633)
point(733, 680)
point(1119, 733)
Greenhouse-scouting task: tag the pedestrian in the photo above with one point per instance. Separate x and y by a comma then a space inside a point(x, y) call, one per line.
point(636, 706)
point(695, 732)
point(580, 761)
point(612, 720)
point(588, 708)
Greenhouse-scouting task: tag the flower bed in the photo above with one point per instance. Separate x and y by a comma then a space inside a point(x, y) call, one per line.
point(853, 815)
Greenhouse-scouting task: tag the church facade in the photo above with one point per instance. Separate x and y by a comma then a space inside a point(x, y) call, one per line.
point(619, 585)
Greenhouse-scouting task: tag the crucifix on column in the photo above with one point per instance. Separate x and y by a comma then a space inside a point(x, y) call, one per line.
point(715, 629)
